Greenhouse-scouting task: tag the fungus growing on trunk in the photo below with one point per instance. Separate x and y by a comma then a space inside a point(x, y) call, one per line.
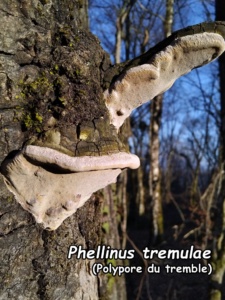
point(141, 83)
point(51, 157)
point(52, 185)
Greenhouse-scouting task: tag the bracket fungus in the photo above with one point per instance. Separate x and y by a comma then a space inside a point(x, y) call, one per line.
point(159, 71)
point(51, 183)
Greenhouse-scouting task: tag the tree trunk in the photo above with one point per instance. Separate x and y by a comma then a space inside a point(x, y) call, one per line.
point(51, 75)
point(122, 16)
point(154, 176)
point(140, 197)
point(215, 218)
point(156, 115)
point(168, 23)
point(220, 15)
point(217, 203)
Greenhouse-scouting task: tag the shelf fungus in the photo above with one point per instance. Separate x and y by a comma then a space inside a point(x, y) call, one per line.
point(52, 185)
point(154, 72)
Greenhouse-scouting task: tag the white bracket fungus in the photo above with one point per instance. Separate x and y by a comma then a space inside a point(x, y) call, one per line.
point(52, 157)
point(142, 83)
point(41, 180)
point(52, 185)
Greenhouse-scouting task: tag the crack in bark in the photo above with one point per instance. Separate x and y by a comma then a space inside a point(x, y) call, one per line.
point(6, 141)
point(6, 53)
point(96, 145)
point(38, 268)
point(8, 13)
point(12, 230)
point(1, 215)
point(9, 87)
point(8, 107)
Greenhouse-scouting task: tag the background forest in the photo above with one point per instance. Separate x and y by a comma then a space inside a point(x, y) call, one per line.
point(169, 201)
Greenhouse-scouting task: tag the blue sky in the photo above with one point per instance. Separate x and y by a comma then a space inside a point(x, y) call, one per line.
point(184, 104)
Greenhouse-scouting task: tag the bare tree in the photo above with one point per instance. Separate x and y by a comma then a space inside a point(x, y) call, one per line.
point(122, 17)
point(156, 115)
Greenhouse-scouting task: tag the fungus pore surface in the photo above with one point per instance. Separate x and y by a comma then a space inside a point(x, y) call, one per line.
point(52, 197)
point(52, 185)
point(142, 83)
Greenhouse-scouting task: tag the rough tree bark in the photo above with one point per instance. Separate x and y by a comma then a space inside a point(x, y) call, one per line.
point(50, 76)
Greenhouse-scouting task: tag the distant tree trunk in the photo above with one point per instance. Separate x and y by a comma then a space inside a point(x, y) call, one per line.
point(217, 207)
point(122, 15)
point(220, 15)
point(168, 23)
point(120, 197)
point(156, 114)
point(113, 287)
point(154, 176)
point(215, 219)
point(48, 58)
point(140, 198)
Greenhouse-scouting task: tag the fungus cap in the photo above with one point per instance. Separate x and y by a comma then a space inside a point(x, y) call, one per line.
point(48, 196)
point(53, 157)
point(142, 83)
point(52, 185)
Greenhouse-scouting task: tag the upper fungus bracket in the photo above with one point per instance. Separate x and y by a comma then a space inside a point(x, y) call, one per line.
point(185, 50)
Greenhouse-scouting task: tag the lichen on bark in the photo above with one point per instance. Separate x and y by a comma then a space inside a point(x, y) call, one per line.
point(54, 76)
point(50, 81)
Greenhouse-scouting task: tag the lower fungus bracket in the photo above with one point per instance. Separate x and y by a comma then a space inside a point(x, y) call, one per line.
point(51, 197)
